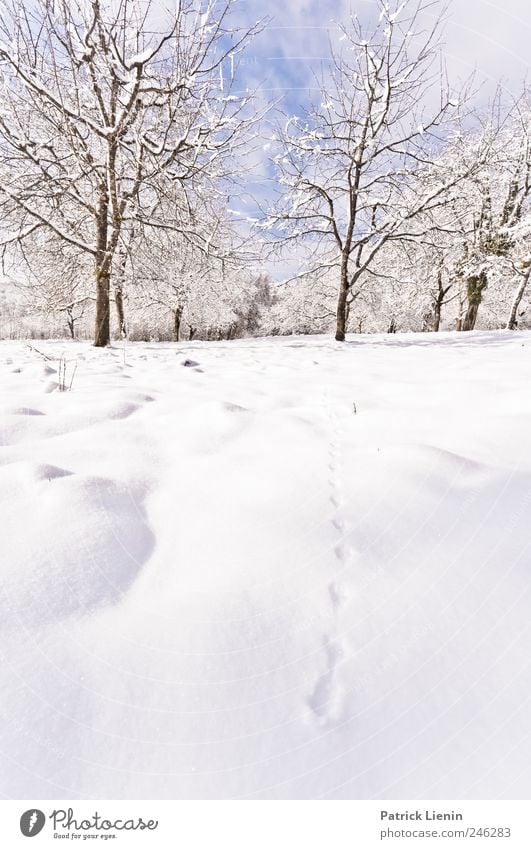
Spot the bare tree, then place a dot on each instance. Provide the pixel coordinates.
(105, 106)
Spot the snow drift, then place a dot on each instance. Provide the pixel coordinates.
(291, 569)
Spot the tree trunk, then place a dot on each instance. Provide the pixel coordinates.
(103, 274)
(119, 295)
(461, 315)
(192, 332)
(438, 302)
(71, 323)
(512, 324)
(341, 317)
(119, 300)
(469, 321)
(103, 285)
(475, 286)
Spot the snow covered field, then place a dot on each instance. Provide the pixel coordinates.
(295, 570)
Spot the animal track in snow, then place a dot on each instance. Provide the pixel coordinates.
(339, 524)
(336, 502)
(344, 552)
(338, 595)
(326, 698)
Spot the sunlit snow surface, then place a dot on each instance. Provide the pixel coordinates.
(296, 569)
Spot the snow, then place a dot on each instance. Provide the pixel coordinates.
(294, 570)
(142, 57)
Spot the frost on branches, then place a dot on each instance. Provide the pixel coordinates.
(348, 163)
(126, 133)
(107, 108)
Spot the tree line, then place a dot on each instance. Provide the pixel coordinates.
(122, 130)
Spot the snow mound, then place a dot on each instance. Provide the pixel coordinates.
(87, 541)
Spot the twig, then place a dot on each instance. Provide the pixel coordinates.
(44, 356)
(72, 378)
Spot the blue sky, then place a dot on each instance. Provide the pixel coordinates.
(492, 37)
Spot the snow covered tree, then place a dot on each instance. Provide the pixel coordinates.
(493, 209)
(106, 105)
(347, 163)
(53, 278)
(522, 269)
(197, 276)
(261, 298)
